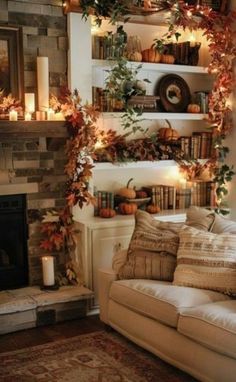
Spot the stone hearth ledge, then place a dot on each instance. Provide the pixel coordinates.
(30, 307)
(13, 189)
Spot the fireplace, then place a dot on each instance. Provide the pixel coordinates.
(13, 241)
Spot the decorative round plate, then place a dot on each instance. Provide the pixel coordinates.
(174, 93)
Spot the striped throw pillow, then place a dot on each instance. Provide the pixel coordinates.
(152, 249)
(206, 260)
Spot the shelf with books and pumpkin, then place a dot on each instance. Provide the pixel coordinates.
(126, 80)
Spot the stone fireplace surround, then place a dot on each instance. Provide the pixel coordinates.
(35, 168)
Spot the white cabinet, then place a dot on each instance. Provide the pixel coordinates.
(105, 243)
(100, 239)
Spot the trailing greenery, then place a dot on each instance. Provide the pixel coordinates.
(121, 84)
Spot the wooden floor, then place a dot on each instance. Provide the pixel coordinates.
(45, 334)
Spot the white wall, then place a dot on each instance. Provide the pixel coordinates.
(231, 143)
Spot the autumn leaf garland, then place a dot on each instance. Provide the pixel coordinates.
(80, 122)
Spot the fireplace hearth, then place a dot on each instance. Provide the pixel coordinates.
(13, 242)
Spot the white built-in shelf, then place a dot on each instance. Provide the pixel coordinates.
(133, 165)
(94, 222)
(159, 115)
(162, 68)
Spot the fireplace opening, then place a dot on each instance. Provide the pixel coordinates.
(13, 242)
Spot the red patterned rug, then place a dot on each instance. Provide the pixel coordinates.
(96, 357)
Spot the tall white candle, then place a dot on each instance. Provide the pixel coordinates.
(50, 115)
(27, 116)
(43, 83)
(29, 102)
(13, 115)
(48, 270)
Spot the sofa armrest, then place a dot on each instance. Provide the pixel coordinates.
(105, 279)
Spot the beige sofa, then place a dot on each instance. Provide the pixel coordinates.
(192, 329)
(171, 292)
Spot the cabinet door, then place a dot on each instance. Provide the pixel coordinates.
(105, 243)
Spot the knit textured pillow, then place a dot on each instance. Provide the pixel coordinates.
(152, 249)
(206, 260)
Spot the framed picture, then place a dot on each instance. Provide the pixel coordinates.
(11, 61)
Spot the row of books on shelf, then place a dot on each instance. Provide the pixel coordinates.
(198, 193)
(104, 47)
(198, 146)
(104, 199)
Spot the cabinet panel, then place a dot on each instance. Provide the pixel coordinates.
(105, 243)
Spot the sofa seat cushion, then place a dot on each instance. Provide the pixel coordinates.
(160, 300)
(213, 325)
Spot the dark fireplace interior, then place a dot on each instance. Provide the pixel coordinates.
(13, 242)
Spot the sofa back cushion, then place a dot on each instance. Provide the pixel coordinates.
(152, 249)
(223, 225)
(200, 218)
(206, 260)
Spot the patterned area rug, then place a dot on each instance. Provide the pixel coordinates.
(96, 357)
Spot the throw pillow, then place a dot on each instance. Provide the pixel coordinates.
(222, 225)
(200, 218)
(152, 249)
(206, 260)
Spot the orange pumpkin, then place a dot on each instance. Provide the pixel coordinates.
(127, 208)
(107, 213)
(168, 134)
(152, 209)
(167, 59)
(193, 108)
(127, 192)
(140, 194)
(151, 55)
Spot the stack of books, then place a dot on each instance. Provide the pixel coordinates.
(198, 193)
(162, 196)
(104, 199)
(198, 146)
(202, 193)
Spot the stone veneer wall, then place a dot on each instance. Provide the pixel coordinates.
(38, 166)
(37, 163)
(44, 34)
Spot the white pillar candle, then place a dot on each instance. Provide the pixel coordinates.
(29, 102)
(50, 115)
(59, 117)
(13, 115)
(48, 270)
(27, 116)
(43, 83)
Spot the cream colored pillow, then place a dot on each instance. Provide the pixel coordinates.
(206, 260)
(223, 225)
(152, 250)
(200, 218)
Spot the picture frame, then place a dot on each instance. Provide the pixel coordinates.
(11, 61)
(174, 93)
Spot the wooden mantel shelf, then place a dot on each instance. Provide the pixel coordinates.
(32, 129)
